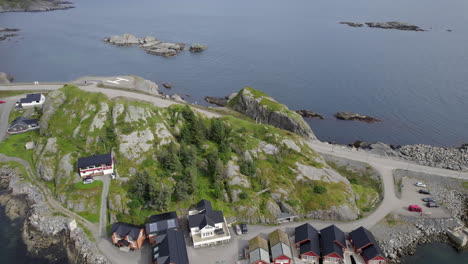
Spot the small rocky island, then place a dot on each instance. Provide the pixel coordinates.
(34, 5)
(386, 25)
(356, 117)
(153, 45)
(309, 114)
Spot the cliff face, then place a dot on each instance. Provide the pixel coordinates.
(264, 109)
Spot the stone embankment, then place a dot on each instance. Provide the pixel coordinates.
(34, 5)
(454, 158)
(44, 229)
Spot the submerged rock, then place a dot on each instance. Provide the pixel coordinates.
(356, 117)
(386, 25)
(167, 85)
(352, 24)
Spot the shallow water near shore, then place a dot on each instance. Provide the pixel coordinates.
(296, 51)
(436, 253)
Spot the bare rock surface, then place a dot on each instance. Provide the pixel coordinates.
(6, 78)
(219, 101)
(309, 114)
(150, 44)
(356, 117)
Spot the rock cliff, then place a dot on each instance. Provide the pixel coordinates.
(264, 109)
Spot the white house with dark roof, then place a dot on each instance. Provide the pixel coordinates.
(96, 165)
(31, 100)
(208, 227)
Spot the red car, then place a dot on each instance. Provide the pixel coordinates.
(414, 208)
(2, 102)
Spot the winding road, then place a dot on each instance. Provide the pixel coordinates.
(384, 165)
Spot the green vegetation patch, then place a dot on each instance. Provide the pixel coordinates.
(94, 185)
(14, 145)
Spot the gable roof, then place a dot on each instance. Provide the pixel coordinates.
(30, 98)
(258, 242)
(25, 121)
(278, 236)
(124, 229)
(305, 232)
(259, 254)
(162, 222)
(330, 238)
(210, 218)
(204, 205)
(280, 249)
(171, 249)
(362, 237)
(94, 160)
(372, 251)
(309, 246)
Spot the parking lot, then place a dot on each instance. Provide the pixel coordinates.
(410, 196)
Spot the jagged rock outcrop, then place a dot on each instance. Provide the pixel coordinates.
(356, 117)
(309, 114)
(343, 212)
(54, 100)
(198, 48)
(264, 109)
(6, 78)
(219, 101)
(45, 166)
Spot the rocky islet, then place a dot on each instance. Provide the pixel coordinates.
(385, 25)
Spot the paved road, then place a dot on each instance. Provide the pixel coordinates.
(5, 110)
(104, 202)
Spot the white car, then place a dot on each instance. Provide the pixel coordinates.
(420, 184)
(238, 230)
(88, 181)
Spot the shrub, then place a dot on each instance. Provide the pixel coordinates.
(319, 189)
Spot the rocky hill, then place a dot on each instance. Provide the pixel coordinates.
(264, 109)
(168, 158)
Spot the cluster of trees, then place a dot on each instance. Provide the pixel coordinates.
(184, 161)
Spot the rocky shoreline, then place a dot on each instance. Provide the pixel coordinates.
(454, 158)
(42, 229)
(35, 6)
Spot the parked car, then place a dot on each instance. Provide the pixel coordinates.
(238, 230)
(432, 204)
(244, 228)
(113, 175)
(424, 191)
(414, 208)
(2, 102)
(88, 181)
(428, 199)
(420, 184)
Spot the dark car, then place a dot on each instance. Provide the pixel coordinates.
(428, 200)
(244, 228)
(432, 204)
(423, 191)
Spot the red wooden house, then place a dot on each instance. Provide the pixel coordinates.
(308, 242)
(333, 245)
(280, 247)
(365, 244)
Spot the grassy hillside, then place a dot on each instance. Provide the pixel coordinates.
(169, 158)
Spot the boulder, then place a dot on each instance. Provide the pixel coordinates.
(167, 85)
(123, 40)
(309, 114)
(198, 48)
(264, 109)
(5, 78)
(219, 101)
(356, 117)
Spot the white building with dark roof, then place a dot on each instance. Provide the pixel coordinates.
(22, 124)
(31, 100)
(208, 227)
(96, 165)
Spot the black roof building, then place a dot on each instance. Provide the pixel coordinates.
(304, 233)
(371, 252)
(170, 248)
(361, 238)
(308, 238)
(332, 240)
(204, 205)
(201, 220)
(22, 124)
(124, 229)
(97, 160)
(30, 98)
(162, 222)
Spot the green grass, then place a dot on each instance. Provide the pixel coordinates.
(465, 185)
(13, 145)
(81, 186)
(92, 217)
